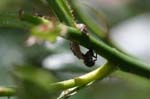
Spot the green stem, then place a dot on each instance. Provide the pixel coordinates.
(62, 11)
(124, 62)
(99, 73)
(11, 20)
(22, 21)
(35, 20)
(6, 91)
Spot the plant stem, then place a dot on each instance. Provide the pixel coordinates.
(99, 73)
(62, 11)
(124, 62)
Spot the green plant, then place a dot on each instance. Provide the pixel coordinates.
(66, 27)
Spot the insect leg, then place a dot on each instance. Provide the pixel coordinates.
(95, 57)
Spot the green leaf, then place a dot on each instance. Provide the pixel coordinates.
(91, 17)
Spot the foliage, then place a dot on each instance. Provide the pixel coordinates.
(34, 81)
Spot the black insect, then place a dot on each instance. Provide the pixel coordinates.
(89, 58)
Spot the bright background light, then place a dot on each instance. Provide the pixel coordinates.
(133, 36)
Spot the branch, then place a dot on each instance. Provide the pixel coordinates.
(121, 60)
(116, 58)
(62, 11)
(124, 62)
(99, 73)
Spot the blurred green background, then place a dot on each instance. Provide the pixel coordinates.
(129, 23)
